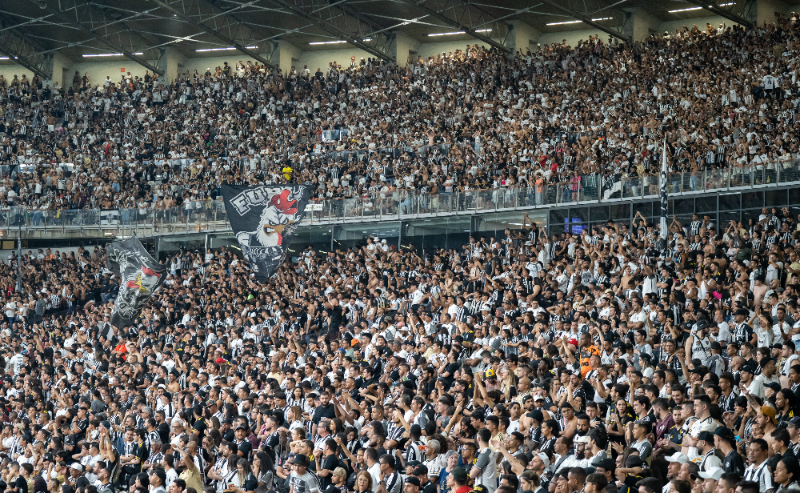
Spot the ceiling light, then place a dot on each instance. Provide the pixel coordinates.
(92, 55)
(338, 42)
(698, 8)
(577, 22)
(3, 58)
(460, 32)
(225, 49)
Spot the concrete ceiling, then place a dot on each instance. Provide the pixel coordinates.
(76, 28)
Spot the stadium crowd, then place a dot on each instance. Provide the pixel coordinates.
(531, 363)
(527, 364)
(588, 115)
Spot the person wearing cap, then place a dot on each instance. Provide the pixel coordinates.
(411, 485)
(157, 479)
(724, 442)
(705, 448)
(300, 480)
(742, 332)
(710, 478)
(423, 475)
(675, 462)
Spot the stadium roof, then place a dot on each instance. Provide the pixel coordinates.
(140, 29)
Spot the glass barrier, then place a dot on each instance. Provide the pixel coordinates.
(210, 215)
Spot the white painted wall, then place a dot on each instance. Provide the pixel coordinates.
(9, 68)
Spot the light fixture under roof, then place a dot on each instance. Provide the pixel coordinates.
(460, 32)
(698, 8)
(225, 49)
(93, 55)
(337, 42)
(577, 22)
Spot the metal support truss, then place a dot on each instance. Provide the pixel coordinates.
(24, 51)
(216, 22)
(110, 32)
(722, 12)
(344, 23)
(586, 19)
(461, 19)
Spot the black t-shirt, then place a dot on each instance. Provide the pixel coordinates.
(250, 483)
(329, 462)
(200, 425)
(323, 412)
(733, 463)
(244, 447)
(428, 488)
(21, 485)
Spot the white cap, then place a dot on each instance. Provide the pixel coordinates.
(714, 473)
(583, 439)
(679, 457)
(545, 459)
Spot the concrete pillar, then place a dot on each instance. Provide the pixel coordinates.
(766, 10)
(168, 64)
(60, 63)
(640, 24)
(285, 55)
(405, 46)
(522, 36)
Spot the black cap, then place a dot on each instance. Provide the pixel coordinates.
(748, 368)
(726, 433)
(607, 464)
(300, 460)
(421, 470)
(795, 421)
(412, 480)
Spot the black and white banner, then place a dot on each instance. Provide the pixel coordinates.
(140, 276)
(264, 219)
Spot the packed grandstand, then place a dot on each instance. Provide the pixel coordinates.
(593, 362)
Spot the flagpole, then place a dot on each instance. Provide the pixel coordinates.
(664, 198)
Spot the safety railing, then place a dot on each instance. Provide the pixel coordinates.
(209, 215)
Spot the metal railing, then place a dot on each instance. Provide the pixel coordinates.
(210, 215)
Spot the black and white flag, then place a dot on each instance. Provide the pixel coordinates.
(264, 219)
(140, 276)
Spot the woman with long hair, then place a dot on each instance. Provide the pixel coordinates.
(363, 482)
(244, 481)
(787, 474)
(262, 469)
